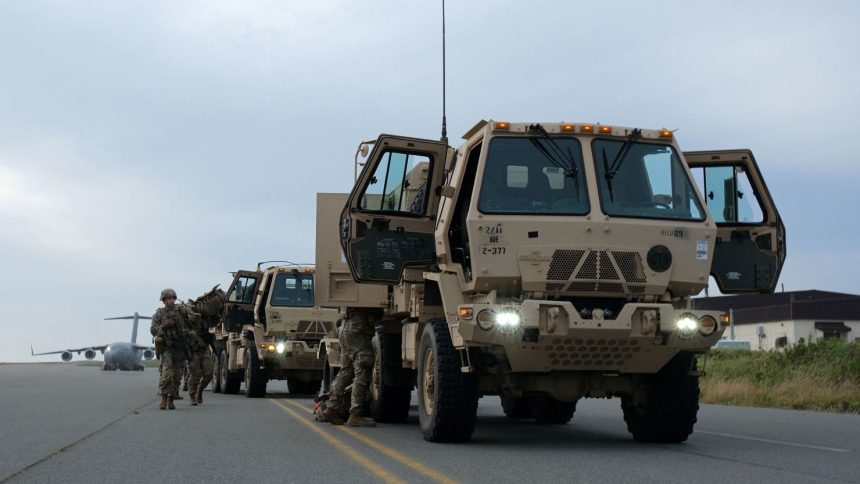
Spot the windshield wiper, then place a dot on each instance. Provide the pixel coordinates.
(557, 157)
(610, 170)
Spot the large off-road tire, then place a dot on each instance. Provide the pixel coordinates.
(668, 410)
(390, 403)
(216, 377)
(230, 381)
(255, 377)
(546, 409)
(516, 407)
(447, 397)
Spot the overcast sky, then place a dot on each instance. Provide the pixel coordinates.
(157, 144)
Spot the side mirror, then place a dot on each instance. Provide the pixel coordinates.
(363, 150)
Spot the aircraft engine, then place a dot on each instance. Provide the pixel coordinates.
(148, 354)
(66, 356)
(90, 354)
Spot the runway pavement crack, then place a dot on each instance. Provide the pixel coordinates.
(76, 442)
(754, 464)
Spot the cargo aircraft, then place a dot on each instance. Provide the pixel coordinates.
(123, 356)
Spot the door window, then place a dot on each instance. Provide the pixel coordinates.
(729, 194)
(399, 184)
(244, 290)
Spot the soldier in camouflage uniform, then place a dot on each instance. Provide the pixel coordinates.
(169, 326)
(356, 358)
(200, 366)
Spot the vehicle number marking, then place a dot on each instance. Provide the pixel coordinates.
(493, 250)
(701, 250)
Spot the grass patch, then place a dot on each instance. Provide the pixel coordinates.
(823, 375)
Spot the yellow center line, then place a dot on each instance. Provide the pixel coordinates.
(375, 469)
(388, 451)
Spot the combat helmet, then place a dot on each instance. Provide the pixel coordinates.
(166, 293)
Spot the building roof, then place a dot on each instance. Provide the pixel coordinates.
(785, 306)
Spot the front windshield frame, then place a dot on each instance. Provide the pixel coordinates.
(606, 205)
(582, 204)
(304, 297)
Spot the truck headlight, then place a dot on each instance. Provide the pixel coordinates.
(486, 319)
(508, 320)
(707, 325)
(687, 325)
(280, 348)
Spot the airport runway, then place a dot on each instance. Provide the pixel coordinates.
(65, 423)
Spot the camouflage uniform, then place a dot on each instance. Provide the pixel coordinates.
(356, 359)
(171, 325)
(200, 366)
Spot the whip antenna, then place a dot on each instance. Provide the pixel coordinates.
(444, 123)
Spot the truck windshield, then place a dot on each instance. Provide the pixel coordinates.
(294, 290)
(521, 178)
(649, 182)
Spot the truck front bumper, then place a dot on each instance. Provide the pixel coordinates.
(544, 336)
(290, 355)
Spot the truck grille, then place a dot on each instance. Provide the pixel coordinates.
(597, 271)
(591, 352)
(310, 329)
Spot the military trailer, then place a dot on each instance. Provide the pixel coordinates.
(271, 329)
(549, 262)
(336, 288)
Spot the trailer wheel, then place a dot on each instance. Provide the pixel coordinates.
(516, 407)
(230, 381)
(390, 403)
(546, 409)
(447, 397)
(255, 377)
(667, 411)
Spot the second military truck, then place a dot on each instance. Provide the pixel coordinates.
(271, 329)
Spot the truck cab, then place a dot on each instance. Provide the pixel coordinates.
(546, 262)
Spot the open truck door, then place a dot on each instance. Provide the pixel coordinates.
(239, 308)
(389, 218)
(750, 248)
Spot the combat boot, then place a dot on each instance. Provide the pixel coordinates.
(356, 420)
(192, 402)
(170, 405)
(332, 416)
(199, 396)
(163, 404)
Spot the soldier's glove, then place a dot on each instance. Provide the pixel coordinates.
(168, 323)
(159, 339)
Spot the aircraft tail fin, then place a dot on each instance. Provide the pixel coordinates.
(135, 317)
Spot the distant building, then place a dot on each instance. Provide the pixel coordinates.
(770, 321)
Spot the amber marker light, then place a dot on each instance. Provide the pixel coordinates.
(465, 313)
(568, 128)
(503, 125)
(605, 129)
(725, 318)
(586, 128)
(665, 133)
(271, 348)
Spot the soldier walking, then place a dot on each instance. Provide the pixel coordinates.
(200, 366)
(169, 326)
(356, 358)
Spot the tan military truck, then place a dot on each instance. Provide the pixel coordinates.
(550, 262)
(271, 329)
